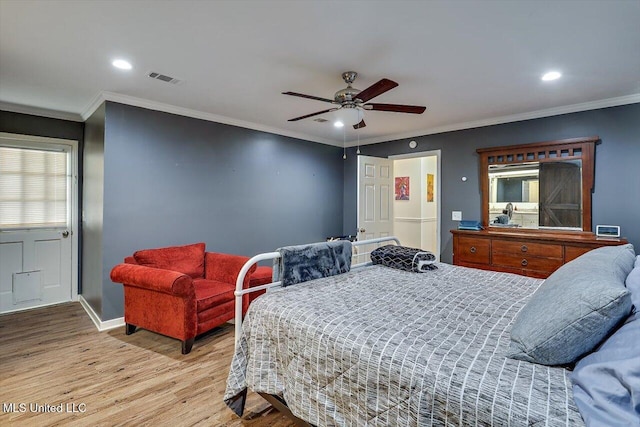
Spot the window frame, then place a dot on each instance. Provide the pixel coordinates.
(28, 142)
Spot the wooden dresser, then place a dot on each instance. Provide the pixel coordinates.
(531, 253)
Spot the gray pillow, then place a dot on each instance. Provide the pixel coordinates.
(575, 308)
(633, 284)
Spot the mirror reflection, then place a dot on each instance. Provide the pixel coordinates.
(536, 195)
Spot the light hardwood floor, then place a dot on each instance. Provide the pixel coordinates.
(55, 355)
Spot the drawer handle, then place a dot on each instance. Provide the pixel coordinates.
(524, 248)
(472, 249)
(524, 262)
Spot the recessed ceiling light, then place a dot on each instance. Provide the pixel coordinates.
(551, 75)
(122, 64)
(338, 124)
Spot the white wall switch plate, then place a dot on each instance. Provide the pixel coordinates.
(456, 215)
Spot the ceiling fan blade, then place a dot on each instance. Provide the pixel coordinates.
(413, 109)
(376, 89)
(360, 125)
(302, 95)
(312, 114)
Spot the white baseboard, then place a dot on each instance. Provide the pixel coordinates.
(102, 326)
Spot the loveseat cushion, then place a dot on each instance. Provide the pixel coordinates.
(212, 293)
(225, 267)
(188, 259)
(261, 276)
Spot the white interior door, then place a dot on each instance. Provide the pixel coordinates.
(375, 199)
(37, 206)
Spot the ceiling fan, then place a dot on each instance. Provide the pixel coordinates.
(355, 101)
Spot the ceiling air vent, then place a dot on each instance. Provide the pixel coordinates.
(164, 78)
(320, 120)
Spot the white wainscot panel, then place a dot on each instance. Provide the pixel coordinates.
(408, 232)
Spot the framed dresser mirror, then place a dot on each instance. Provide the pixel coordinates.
(536, 208)
(539, 186)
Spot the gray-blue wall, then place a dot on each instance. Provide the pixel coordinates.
(172, 180)
(616, 197)
(92, 210)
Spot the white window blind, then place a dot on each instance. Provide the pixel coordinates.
(33, 188)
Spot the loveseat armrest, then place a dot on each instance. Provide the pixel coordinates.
(225, 267)
(155, 279)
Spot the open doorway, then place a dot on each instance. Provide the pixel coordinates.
(416, 204)
(400, 196)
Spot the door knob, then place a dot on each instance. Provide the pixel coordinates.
(65, 233)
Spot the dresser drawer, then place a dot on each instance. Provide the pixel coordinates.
(573, 252)
(527, 248)
(473, 250)
(526, 262)
(526, 252)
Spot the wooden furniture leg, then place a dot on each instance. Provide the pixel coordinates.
(186, 345)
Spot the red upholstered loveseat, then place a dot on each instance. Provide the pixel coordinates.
(182, 291)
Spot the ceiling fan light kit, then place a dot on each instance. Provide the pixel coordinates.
(351, 102)
(349, 115)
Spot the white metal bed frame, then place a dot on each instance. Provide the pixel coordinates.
(239, 292)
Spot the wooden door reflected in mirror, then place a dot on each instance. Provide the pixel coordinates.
(560, 194)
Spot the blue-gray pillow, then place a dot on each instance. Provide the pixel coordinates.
(633, 284)
(575, 308)
(606, 383)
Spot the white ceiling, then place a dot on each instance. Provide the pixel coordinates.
(470, 62)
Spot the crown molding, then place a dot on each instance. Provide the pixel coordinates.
(549, 112)
(103, 96)
(93, 105)
(42, 112)
(172, 109)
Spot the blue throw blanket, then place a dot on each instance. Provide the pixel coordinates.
(302, 263)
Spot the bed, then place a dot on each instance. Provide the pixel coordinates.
(381, 346)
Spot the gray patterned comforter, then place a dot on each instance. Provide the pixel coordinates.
(384, 347)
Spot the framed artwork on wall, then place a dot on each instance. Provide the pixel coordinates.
(402, 187)
(429, 187)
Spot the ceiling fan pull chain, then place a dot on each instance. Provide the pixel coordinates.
(344, 144)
